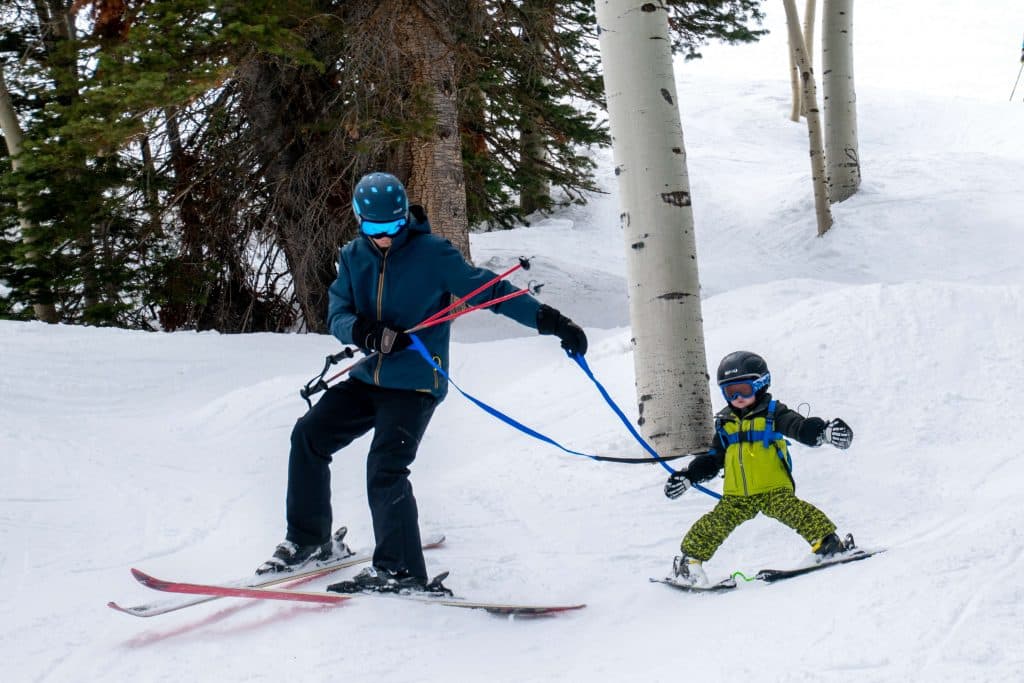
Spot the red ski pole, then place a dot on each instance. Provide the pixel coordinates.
(523, 263)
(437, 321)
(429, 322)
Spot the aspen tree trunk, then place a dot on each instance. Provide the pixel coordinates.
(796, 110)
(817, 152)
(810, 11)
(808, 32)
(11, 129)
(840, 100)
(657, 222)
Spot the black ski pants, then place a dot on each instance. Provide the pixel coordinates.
(345, 412)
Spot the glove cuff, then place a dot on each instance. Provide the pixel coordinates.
(812, 432)
(548, 319)
(361, 329)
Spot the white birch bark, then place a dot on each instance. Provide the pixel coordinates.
(823, 212)
(657, 223)
(11, 129)
(794, 85)
(810, 14)
(842, 153)
(808, 32)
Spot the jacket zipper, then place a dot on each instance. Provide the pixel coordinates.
(380, 311)
(739, 446)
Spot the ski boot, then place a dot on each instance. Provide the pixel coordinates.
(689, 571)
(832, 546)
(290, 557)
(378, 580)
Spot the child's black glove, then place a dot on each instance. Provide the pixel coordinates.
(812, 432)
(839, 434)
(676, 485)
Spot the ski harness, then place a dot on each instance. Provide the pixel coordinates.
(752, 446)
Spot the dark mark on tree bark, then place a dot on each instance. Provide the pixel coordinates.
(678, 198)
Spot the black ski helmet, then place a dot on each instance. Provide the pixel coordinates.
(742, 365)
(380, 199)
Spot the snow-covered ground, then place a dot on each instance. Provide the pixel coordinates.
(168, 451)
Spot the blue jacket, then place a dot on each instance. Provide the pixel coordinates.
(402, 286)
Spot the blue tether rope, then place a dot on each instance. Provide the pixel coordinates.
(417, 344)
(618, 411)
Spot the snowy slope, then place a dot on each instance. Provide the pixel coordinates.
(168, 452)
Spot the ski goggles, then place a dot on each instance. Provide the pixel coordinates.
(745, 388)
(389, 229)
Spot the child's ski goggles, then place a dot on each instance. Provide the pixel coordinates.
(745, 388)
(389, 229)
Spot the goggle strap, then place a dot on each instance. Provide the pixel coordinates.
(755, 385)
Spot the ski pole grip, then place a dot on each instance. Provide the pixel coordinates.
(346, 352)
(307, 391)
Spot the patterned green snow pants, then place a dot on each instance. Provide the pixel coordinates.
(711, 530)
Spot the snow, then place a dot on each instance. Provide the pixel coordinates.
(168, 451)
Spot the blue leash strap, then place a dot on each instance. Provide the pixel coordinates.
(418, 346)
(618, 411)
(422, 350)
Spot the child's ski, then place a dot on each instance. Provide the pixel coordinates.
(725, 584)
(773, 575)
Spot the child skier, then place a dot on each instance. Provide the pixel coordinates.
(749, 442)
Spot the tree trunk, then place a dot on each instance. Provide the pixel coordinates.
(57, 28)
(472, 127)
(42, 307)
(817, 153)
(796, 110)
(808, 32)
(535, 192)
(810, 10)
(657, 221)
(436, 178)
(841, 149)
(149, 176)
(282, 104)
(473, 114)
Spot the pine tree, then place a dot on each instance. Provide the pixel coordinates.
(189, 163)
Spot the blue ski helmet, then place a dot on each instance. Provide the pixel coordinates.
(380, 204)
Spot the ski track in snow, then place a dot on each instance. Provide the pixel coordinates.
(169, 452)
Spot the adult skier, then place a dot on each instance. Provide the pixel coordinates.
(392, 276)
(750, 443)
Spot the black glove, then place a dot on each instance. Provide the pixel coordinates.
(550, 321)
(812, 432)
(375, 335)
(839, 434)
(677, 485)
(418, 213)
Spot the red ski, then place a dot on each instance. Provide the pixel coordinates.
(336, 598)
(236, 591)
(293, 578)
